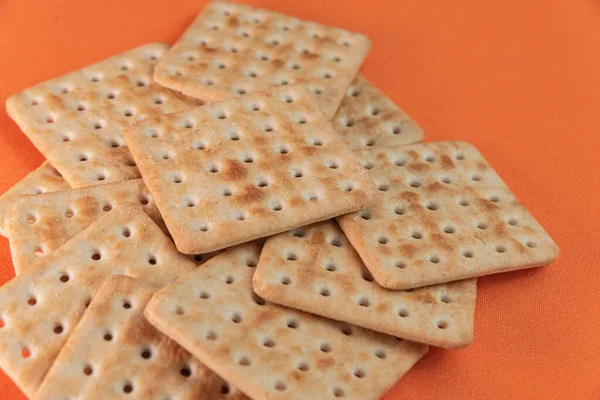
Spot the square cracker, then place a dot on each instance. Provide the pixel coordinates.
(445, 215)
(115, 352)
(44, 179)
(269, 351)
(40, 308)
(315, 269)
(368, 118)
(229, 172)
(232, 49)
(37, 225)
(76, 120)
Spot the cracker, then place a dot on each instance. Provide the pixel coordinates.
(315, 269)
(39, 309)
(44, 179)
(269, 351)
(233, 49)
(76, 120)
(248, 167)
(444, 215)
(367, 118)
(40, 224)
(114, 352)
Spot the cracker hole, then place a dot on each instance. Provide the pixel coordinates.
(442, 324)
(432, 206)
(449, 229)
(38, 252)
(32, 301)
(415, 183)
(185, 372)
(482, 225)
(144, 200)
(366, 275)
(101, 177)
(435, 259)
(336, 242)
(280, 386)
(396, 130)
(317, 142)
(146, 354)
(303, 366)
(126, 304)
(234, 136)
(244, 361)
(88, 370)
(58, 329)
(325, 347)
(236, 318)
(31, 219)
(513, 222)
(229, 280)
(111, 96)
(250, 263)
(292, 323)
(179, 311)
(375, 112)
(445, 299)
(331, 164)
(467, 253)
(108, 337)
(80, 107)
(127, 388)
(300, 233)
(365, 214)
(225, 388)
(494, 199)
(324, 292)
(446, 179)
(338, 392)
(382, 240)
(83, 158)
(49, 120)
(416, 235)
(383, 187)
(500, 248)
(400, 264)
(214, 168)
(106, 207)
(285, 280)
(364, 302)
(276, 207)
(190, 203)
(380, 353)
(25, 353)
(463, 202)
(331, 267)
(400, 210)
(291, 256)
(476, 177)
(64, 278)
(359, 373)
(459, 156)
(152, 260)
(268, 342)
(204, 295)
(211, 335)
(531, 244)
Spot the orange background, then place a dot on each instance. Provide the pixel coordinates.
(518, 79)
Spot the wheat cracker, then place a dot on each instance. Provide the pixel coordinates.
(368, 118)
(315, 269)
(40, 308)
(233, 49)
(76, 120)
(37, 225)
(44, 179)
(114, 352)
(249, 167)
(445, 215)
(269, 351)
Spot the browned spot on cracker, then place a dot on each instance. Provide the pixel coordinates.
(441, 241)
(308, 150)
(413, 154)
(418, 167)
(277, 63)
(409, 250)
(309, 56)
(250, 194)
(208, 49)
(233, 22)
(423, 297)
(324, 363)
(447, 162)
(234, 170)
(411, 197)
(487, 205)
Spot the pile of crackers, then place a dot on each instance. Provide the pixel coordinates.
(242, 215)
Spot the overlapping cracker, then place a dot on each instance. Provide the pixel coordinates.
(39, 309)
(367, 118)
(315, 269)
(37, 225)
(76, 120)
(233, 49)
(249, 167)
(44, 179)
(445, 215)
(115, 352)
(269, 351)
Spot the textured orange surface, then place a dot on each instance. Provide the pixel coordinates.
(518, 79)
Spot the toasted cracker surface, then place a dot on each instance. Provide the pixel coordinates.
(233, 49)
(444, 215)
(229, 172)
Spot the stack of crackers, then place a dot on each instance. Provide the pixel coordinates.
(242, 215)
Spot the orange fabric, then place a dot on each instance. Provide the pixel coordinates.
(518, 79)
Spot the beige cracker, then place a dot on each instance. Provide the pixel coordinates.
(40, 308)
(40, 224)
(233, 49)
(269, 351)
(114, 352)
(315, 269)
(229, 172)
(367, 118)
(445, 215)
(44, 179)
(76, 120)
